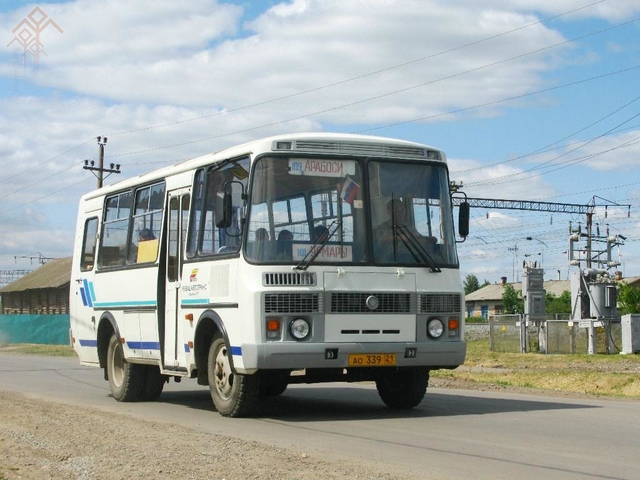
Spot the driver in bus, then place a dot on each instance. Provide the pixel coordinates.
(384, 233)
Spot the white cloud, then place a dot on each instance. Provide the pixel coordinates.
(504, 178)
(121, 66)
(174, 54)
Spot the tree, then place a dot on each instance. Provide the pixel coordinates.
(628, 299)
(512, 300)
(471, 283)
(561, 304)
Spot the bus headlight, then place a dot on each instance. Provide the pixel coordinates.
(299, 328)
(435, 328)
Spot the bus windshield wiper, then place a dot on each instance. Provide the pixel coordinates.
(318, 245)
(415, 247)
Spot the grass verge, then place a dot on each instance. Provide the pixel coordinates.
(37, 349)
(601, 375)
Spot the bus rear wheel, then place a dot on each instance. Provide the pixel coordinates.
(233, 395)
(402, 388)
(125, 379)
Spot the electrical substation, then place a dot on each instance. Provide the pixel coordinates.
(593, 283)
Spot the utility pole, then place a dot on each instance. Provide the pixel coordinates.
(90, 164)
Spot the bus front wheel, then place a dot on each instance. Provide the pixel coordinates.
(125, 379)
(233, 395)
(402, 388)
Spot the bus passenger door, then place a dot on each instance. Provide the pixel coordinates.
(174, 352)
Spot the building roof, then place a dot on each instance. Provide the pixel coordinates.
(494, 291)
(633, 281)
(555, 287)
(52, 274)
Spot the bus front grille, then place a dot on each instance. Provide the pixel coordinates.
(346, 302)
(292, 303)
(439, 303)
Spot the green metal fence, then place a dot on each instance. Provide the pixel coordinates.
(43, 329)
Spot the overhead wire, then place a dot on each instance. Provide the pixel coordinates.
(548, 148)
(369, 74)
(495, 181)
(405, 89)
(352, 79)
(365, 75)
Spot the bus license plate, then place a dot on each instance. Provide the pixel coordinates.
(371, 359)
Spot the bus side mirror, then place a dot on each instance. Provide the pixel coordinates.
(223, 209)
(463, 219)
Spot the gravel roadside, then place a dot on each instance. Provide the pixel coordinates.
(47, 440)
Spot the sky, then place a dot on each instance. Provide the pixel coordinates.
(530, 100)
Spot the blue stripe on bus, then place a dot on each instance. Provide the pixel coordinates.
(93, 293)
(149, 346)
(144, 345)
(195, 301)
(138, 303)
(87, 292)
(84, 297)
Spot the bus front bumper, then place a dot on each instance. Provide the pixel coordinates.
(294, 356)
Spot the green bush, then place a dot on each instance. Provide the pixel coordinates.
(476, 320)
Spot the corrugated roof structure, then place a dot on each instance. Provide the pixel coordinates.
(53, 274)
(555, 287)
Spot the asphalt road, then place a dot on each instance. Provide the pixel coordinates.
(453, 434)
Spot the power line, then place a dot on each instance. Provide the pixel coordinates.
(398, 91)
(312, 90)
(364, 75)
(423, 84)
(42, 197)
(372, 73)
(43, 162)
(494, 181)
(547, 148)
(561, 165)
(496, 102)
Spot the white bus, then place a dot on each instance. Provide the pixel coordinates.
(300, 258)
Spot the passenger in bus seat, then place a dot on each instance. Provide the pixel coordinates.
(283, 245)
(261, 247)
(262, 235)
(146, 234)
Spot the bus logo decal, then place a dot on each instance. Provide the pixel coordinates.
(194, 275)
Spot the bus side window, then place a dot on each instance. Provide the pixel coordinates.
(89, 244)
(147, 218)
(113, 241)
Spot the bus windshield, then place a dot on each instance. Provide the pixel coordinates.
(319, 209)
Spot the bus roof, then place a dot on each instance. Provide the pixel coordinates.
(307, 143)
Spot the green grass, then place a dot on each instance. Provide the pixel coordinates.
(36, 349)
(608, 375)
